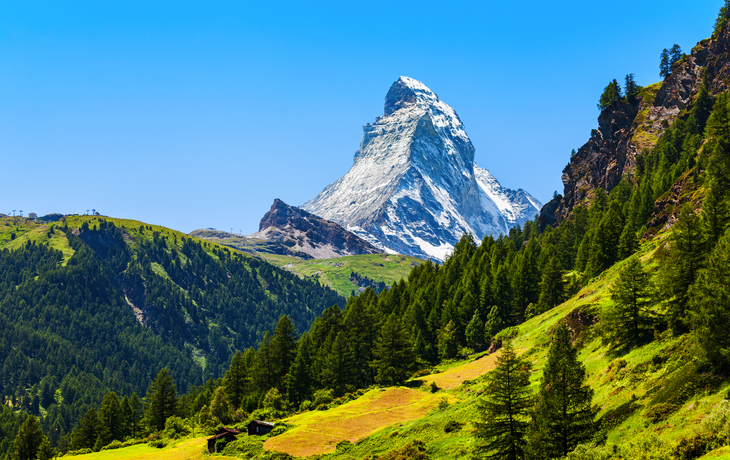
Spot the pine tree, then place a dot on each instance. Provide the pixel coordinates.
(45, 450)
(552, 288)
(709, 298)
(632, 89)
(161, 400)
(301, 380)
(493, 325)
(563, 415)
(447, 343)
(627, 242)
(361, 329)
(685, 256)
(504, 411)
(394, 357)
(675, 55)
(111, 423)
(630, 320)
(611, 94)
(283, 348)
(236, 380)
(715, 216)
(604, 246)
(475, 332)
(722, 18)
(665, 67)
(28, 440)
(85, 434)
(338, 371)
(219, 406)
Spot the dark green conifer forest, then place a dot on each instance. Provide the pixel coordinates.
(220, 336)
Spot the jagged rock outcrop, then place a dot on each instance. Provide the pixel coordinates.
(625, 130)
(414, 188)
(304, 233)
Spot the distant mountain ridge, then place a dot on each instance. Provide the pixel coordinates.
(414, 188)
(305, 233)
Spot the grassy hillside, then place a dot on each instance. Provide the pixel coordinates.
(649, 394)
(335, 273)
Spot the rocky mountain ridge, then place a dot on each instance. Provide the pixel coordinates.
(414, 188)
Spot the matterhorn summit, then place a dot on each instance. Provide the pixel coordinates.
(414, 188)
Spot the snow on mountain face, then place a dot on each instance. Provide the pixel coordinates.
(414, 188)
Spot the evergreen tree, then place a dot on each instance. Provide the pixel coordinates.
(301, 379)
(665, 67)
(338, 370)
(111, 423)
(563, 415)
(493, 325)
(686, 253)
(236, 380)
(552, 288)
(632, 89)
(722, 18)
(284, 349)
(85, 434)
(701, 109)
(161, 400)
(715, 215)
(627, 242)
(675, 55)
(504, 411)
(630, 320)
(448, 343)
(45, 450)
(361, 329)
(475, 332)
(28, 440)
(219, 406)
(611, 94)
(604, 246)
(136, 415)
(709, 298)
(393, 353)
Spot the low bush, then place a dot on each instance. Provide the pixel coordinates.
(453, 425)
(659, 412)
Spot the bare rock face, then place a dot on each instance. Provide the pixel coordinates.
(414, 188)
(305, 233)
(602, 161)
(626, 130)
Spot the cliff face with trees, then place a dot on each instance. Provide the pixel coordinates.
(628, 130)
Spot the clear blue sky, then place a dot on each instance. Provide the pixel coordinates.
(199, 114)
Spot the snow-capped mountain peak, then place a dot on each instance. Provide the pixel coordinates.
(414, 188)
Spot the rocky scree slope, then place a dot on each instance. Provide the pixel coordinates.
(626, 130)
(414, 188)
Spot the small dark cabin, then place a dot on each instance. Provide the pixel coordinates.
(229, 434)
(257, 427)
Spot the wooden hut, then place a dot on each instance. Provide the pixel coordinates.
(229, 434)
(257, 427)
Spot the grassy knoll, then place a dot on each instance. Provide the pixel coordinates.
(319, 432)
(184, 449)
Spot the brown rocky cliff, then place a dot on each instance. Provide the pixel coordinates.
(626, 130)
